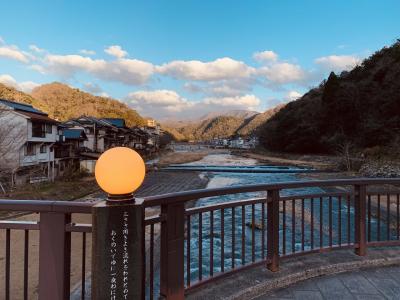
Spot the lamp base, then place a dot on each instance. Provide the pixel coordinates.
(120, 198)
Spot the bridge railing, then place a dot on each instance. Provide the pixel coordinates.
(189, 247)
(190, 242)
(37, 252)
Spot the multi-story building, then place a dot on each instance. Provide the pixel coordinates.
(27, 142)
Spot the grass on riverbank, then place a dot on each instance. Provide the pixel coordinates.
(64, 190)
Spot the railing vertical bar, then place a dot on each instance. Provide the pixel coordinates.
(398, 216)
(387, 217)
(312, 224)
(222, 240)
(26, 263)
(321, 221)
(330, 222)
(253, 235)
(188, 238)
(379, 218)
(83, 279)
(211, 243)
(293, 226)
(284, 227)
(302, 224)
(233, 237)
(151, 261)
(200, 246)
(369, 218)
(340, 220)
(7, 283)
(263, 230)
(273, 199)
(243, 235)
(348, 220)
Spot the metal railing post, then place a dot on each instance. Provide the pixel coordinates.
(273, 230)
(359, 219)
(172, 285)
(54, 256)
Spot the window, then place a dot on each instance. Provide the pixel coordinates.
(49, 128)
(43, 149)
(29, 149)
(38, 130)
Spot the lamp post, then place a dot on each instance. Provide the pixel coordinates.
(118, 246)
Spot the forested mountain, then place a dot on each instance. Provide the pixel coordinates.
(360, 107)
(63, 102)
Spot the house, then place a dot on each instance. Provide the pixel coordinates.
(27, 142)
(101, 134)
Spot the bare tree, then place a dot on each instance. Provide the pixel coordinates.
(11, 139)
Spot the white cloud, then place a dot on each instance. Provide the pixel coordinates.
(87, 52)
(283, 73)
(293, 95)
(36, 49)
(159, 100)
(12, 52)
(116, 51)
(338, 63)
(169, 104)
(1, 41)
(219, 69)
(249, 102)
(265, 56)
(128, 71)
(25, 86)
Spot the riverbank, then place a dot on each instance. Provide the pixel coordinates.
(308, 161)
(180, 158)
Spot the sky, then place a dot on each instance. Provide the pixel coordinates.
(182, 59)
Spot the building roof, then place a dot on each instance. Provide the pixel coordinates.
(38, 117)
(118, 122)
(21, 107)
(74, 134)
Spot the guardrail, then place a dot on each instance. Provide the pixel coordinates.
(194, 246)
(187, 247)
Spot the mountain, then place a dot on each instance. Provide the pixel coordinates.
(244, 114)
(63, 102)
(10, 93)
(217, 125)
(360, 108)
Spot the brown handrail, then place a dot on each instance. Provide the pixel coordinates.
(203, 193)
(46, 206)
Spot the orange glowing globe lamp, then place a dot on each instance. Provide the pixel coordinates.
(119, 172)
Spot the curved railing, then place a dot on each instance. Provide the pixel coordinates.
(188, 247)
(190, 240)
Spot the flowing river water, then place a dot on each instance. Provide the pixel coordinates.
(225, 179)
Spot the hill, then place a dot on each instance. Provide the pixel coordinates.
(63, 102)
(359, 108)
(216, 125)
(10, 93)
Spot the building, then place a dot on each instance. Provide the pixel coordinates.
(27, 142)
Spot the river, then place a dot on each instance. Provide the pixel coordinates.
(225, 179)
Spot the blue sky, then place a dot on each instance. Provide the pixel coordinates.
(184, 58)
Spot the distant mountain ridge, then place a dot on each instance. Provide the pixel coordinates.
(62, 102)
(220, 125)
(231, 113)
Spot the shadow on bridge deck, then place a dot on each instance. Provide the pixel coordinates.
(259, 281)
